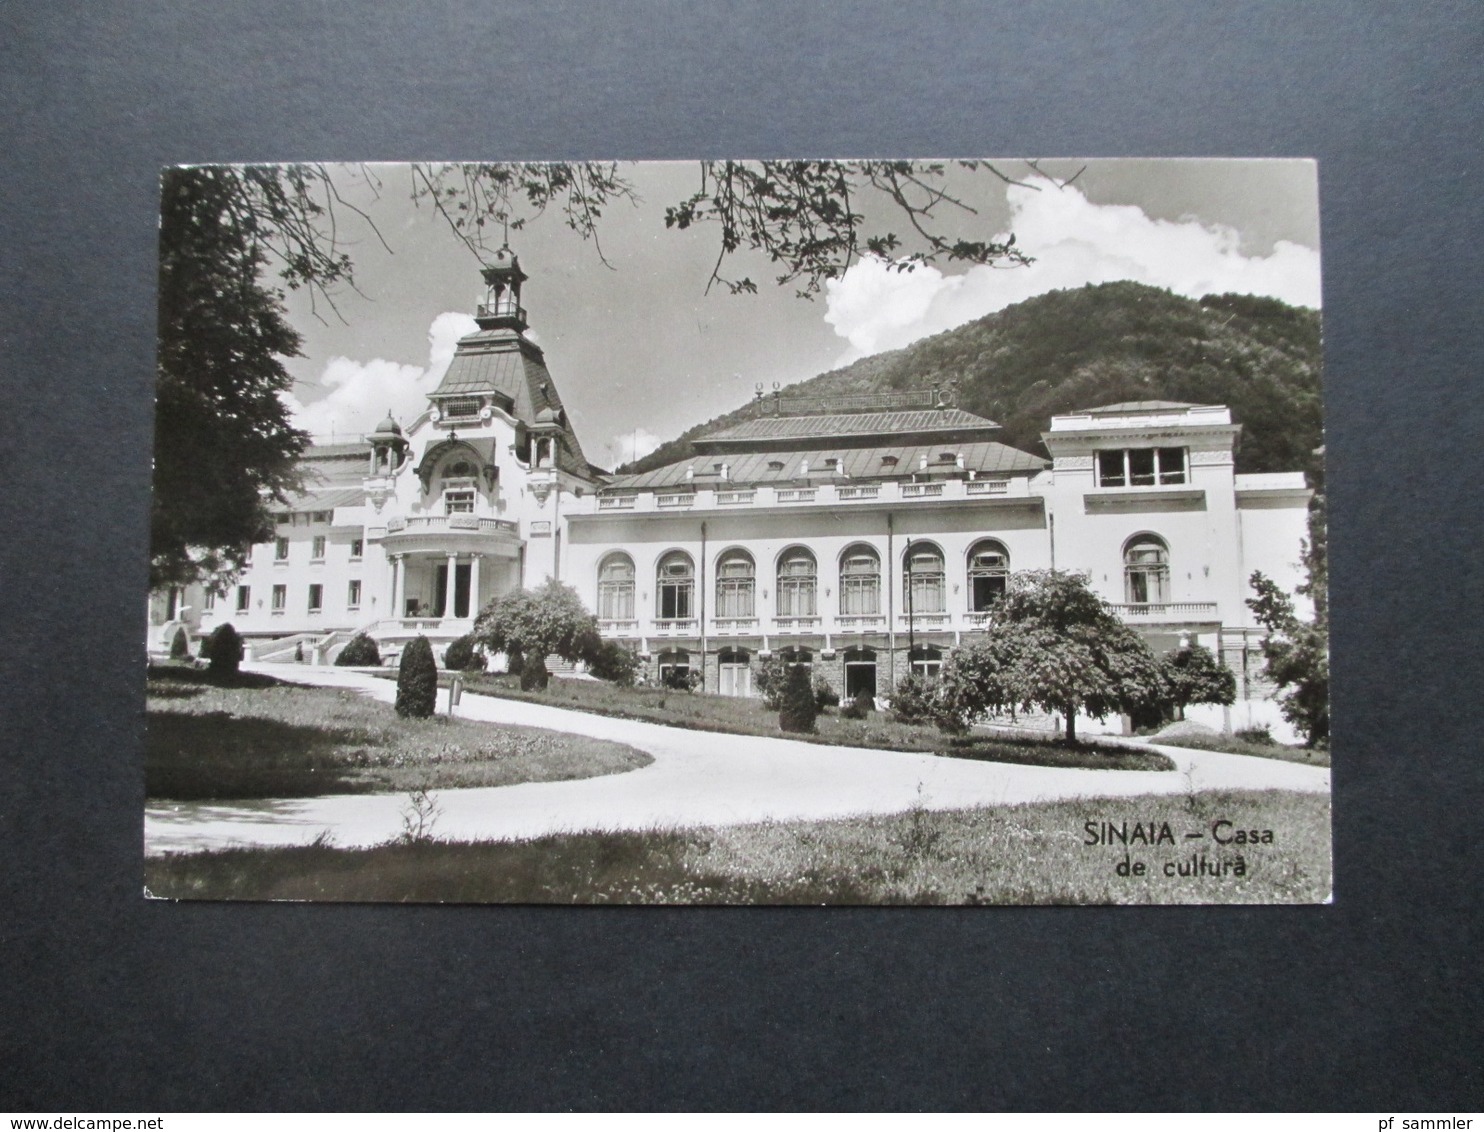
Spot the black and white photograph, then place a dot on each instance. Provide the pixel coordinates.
(727, 532)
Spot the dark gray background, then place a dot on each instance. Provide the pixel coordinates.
(108, 1002)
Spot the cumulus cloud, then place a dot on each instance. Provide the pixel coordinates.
(875, 308)
(361, 393)
(636, 443)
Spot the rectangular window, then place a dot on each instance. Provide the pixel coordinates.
(281, 549)
(1171, 465)
(244, 598)
(1110, 469)
(280, 598)
(317, 551)
(458, 503)
(208, 601)
(674, 598)
(461, 407)
(353, 595)
(316, 597)
(1141, 467)
(320, 516)
(357, 547)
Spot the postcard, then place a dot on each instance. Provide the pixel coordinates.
(740, 532)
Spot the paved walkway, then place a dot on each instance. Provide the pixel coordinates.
(697, 778)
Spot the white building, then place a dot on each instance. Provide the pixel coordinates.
(870, 534)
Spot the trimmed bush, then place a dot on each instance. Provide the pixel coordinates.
(533, 674)
(417, 680)
(798, 708)
(860, 707)
(1262, 736)
(825, 695)
(180, 644)
(614, 663)
(461, 657)
(915, 699)
(360, 652)
(223, 650)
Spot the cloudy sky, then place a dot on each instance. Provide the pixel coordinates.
(640, 352)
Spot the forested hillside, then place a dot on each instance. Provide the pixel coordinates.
(1104, 343)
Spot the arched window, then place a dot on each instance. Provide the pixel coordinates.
(926, 661)
(860, 582)
(675, 586)
(860, 672)
(616, 588)
(922, 579)
(1146, 571)
(989, 574)
(735, 584)
(796, 584)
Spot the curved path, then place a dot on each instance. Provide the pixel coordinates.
(697, 778)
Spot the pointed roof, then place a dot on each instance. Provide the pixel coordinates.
(504, 363)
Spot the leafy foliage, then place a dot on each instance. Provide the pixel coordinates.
(537, 623)
(915, 699)
(359, 652)
(1297, 655)
(223, 650)
(1195, 676)
(770, 676)
(417, 680)
(460, 656)
(860, 707)
(1054, 646)
(180, 644)
(797, 709)
(825, 695)
(614, 663)
(224, 445)
(1098, 345)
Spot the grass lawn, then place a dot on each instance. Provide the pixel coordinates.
(261, 738)
(1309, 756)
(1028, 854)
(738, 715)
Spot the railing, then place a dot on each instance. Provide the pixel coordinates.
(860, 491)
(455, 522)
(978, 620)
(675, 499)
(795, 624)
(797, 494)
(736, 624)
(616, 627)
(860, 622)
(724, 498)
(1166, 610)
(674, 626)
(987, 487)
(921, 490)
(923, 620)
(500, 310)
(616, 502)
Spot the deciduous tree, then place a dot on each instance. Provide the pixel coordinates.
(1297, 655)
(538, 623)
(1193, 675)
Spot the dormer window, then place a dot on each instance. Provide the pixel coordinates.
(1141, 467)
(458, 502)
(888, 461)
(947, 457)
(775, 465)
(461, 408)
(832, 461)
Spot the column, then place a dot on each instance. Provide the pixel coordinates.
(399, 585)
(474, 585)
(453, 573)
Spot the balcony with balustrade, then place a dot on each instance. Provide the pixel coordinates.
(833, 493)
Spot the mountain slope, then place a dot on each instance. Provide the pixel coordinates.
(1100, 344)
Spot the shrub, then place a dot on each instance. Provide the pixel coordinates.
(860, 707)
(825, 695)
(611, 661)
(461, 657)
(224, 650)
(682, 680)
(915, 699)
(417, 680)
(798, 709)
(533, 674)
(1259, 735)
(180, 644)
(360, 652)
(770, 675)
